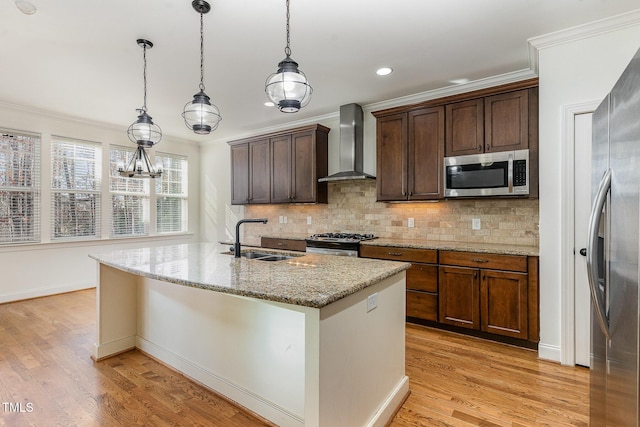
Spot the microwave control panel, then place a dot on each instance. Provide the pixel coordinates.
(519, 173)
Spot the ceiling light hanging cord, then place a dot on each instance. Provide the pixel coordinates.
(201, 51)
(200, 115)
(144, 78)
(288, 88)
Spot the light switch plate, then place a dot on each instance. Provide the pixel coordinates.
(410, 223)
(475, 224)
(372, 302)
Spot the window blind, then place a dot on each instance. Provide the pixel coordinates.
(19, 187)
(171, 194)
(75, 189)
(129, 198)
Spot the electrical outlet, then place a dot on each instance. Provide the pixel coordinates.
(372, 302)
(281, 219)
(308, 220)
(410, 223)
(475, 224)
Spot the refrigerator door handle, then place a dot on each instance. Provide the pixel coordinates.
(592, 249)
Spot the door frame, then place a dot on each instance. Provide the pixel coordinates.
(567, 333)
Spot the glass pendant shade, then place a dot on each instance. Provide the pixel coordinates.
(144, 132)
(288, 88)
(200, 115)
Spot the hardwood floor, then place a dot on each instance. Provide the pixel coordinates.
(47, 378)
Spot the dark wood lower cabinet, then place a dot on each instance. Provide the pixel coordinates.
(459, 297)
(504, 307)
(490, 294)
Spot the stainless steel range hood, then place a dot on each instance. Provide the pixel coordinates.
(351, 143)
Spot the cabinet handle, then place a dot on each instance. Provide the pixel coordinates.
(484, 277)
(410, 193)
(479, 148)
(488, 147)
(279, 243)
(395, 253)
(475, 274)
(479, 260)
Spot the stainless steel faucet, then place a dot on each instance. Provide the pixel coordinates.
(236, 245)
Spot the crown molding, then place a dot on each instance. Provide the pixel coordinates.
(81, 121)
(591, 29)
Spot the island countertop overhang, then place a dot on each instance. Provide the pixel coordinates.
(311, 280)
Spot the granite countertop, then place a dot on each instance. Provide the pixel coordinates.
(493, 248)
(311, 280)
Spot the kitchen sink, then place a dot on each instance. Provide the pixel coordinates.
(266, 256)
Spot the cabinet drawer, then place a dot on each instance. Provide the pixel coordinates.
(482, 260)
(422, 305)
(400, 254)
(288, 244)
(421, 277)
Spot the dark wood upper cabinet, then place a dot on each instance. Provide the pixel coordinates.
(282, 167)
(250, 174)
(391, 155)
(465, 127)
(506, 121)
(493, 123)
(259, 172)
(410, 152)
(240, 174)
(425, 154)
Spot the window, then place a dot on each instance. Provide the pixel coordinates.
(171, 194)
(129, 198)
(75, 189)
(19, 185)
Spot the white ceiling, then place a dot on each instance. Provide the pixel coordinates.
(80, 57)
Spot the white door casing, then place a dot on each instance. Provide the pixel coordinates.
(574, 125)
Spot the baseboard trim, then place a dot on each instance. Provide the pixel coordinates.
(549, 352)
(43, 292)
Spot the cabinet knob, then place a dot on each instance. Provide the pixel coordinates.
(475, 274)
(488, 147)
(479, 148)
(411, 193)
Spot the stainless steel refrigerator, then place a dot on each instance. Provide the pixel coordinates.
(612, 254)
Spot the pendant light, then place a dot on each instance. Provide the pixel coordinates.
(288, 88)
(143, 132)
(200, 115)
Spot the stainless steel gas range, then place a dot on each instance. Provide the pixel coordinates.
(344, 244)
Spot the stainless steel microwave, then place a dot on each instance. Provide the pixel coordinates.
(504, 173)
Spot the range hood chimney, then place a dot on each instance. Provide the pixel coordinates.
(351, 143)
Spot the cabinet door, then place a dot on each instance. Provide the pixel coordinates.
(240, 174)
(391, 152)
(465, 128)
(259, 172)
(506, 125)
(425, 154)
(303, 168)
(458, 299)
(504, 303)
(281, 191)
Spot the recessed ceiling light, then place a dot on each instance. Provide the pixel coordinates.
(269, 104)
(26, 7)
(384, 71)
(459, 81)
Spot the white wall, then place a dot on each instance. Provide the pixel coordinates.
(573, 69)
(33, 270)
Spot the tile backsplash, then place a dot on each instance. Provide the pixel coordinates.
(353, 208)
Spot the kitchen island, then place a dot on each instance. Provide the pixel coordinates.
(314, 340)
